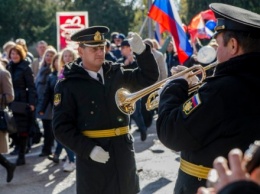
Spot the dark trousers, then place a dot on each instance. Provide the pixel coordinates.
(138, 117)
(187, 184)
(48, 136)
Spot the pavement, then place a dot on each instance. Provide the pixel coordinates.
(157, 166)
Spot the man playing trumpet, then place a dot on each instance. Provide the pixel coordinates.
(224, 113)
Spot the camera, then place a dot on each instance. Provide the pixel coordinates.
(252, 157)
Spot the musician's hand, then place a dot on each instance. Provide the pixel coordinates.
(136, 43)
(192, 80)
(98, 154)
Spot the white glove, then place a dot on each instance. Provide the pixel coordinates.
(136, 43)
(191, 80)
(98, 154)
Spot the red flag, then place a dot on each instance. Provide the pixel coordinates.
(196, 27)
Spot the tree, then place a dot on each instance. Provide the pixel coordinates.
(28, 19)
(115, 14)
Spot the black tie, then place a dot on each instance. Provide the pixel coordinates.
(99, 78)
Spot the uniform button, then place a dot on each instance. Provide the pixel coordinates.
(117, 131)
(92, 112)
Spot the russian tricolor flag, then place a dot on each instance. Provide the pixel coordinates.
(165, 13)
(197, 27)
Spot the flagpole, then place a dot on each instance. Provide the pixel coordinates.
(150, 25)
(142, 27)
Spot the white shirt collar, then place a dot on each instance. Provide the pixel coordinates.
(93, 74)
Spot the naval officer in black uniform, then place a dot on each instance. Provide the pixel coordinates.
(225, 111)
(87, 119)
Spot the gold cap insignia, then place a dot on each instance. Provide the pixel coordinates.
(219, 28)
(97, 36)
(57, 99)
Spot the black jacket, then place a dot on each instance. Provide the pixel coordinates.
(110, 57)
(24, 91)
(223, 114)
(48, 96)
(83, 103)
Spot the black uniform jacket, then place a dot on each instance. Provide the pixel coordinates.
(83, 103)
(223, 114)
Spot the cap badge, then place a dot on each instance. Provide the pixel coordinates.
(97, 36)
(220, 28)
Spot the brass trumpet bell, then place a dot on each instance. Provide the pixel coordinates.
(126, 101)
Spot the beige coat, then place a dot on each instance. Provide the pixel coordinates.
(161, 62)
(6, 87)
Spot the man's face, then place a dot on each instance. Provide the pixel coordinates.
(125, 50)
(92, 57)
(222, 50)
(41, 48)
(118, 41)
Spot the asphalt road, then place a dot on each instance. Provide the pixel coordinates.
(157, 164)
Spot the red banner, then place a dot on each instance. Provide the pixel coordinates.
(67, 24)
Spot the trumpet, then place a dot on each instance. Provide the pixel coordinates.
(125, 100)
(153, 99)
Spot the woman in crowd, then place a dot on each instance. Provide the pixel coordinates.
(24, 91)
(6, 88)
(67, 55)
(41, 83)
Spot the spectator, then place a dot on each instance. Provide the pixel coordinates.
(159, 59)
(6, 88)
(24, 91)
(67, 55)
(46, 118)
(40, 48)
(118, 39)
(6, 48)
(109, 55)
(29, 55)
(172, 59)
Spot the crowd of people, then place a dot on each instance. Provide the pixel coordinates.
(31, 80)
(71, 94)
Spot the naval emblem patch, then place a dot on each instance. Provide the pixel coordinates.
(57, 99)
(191, 104)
